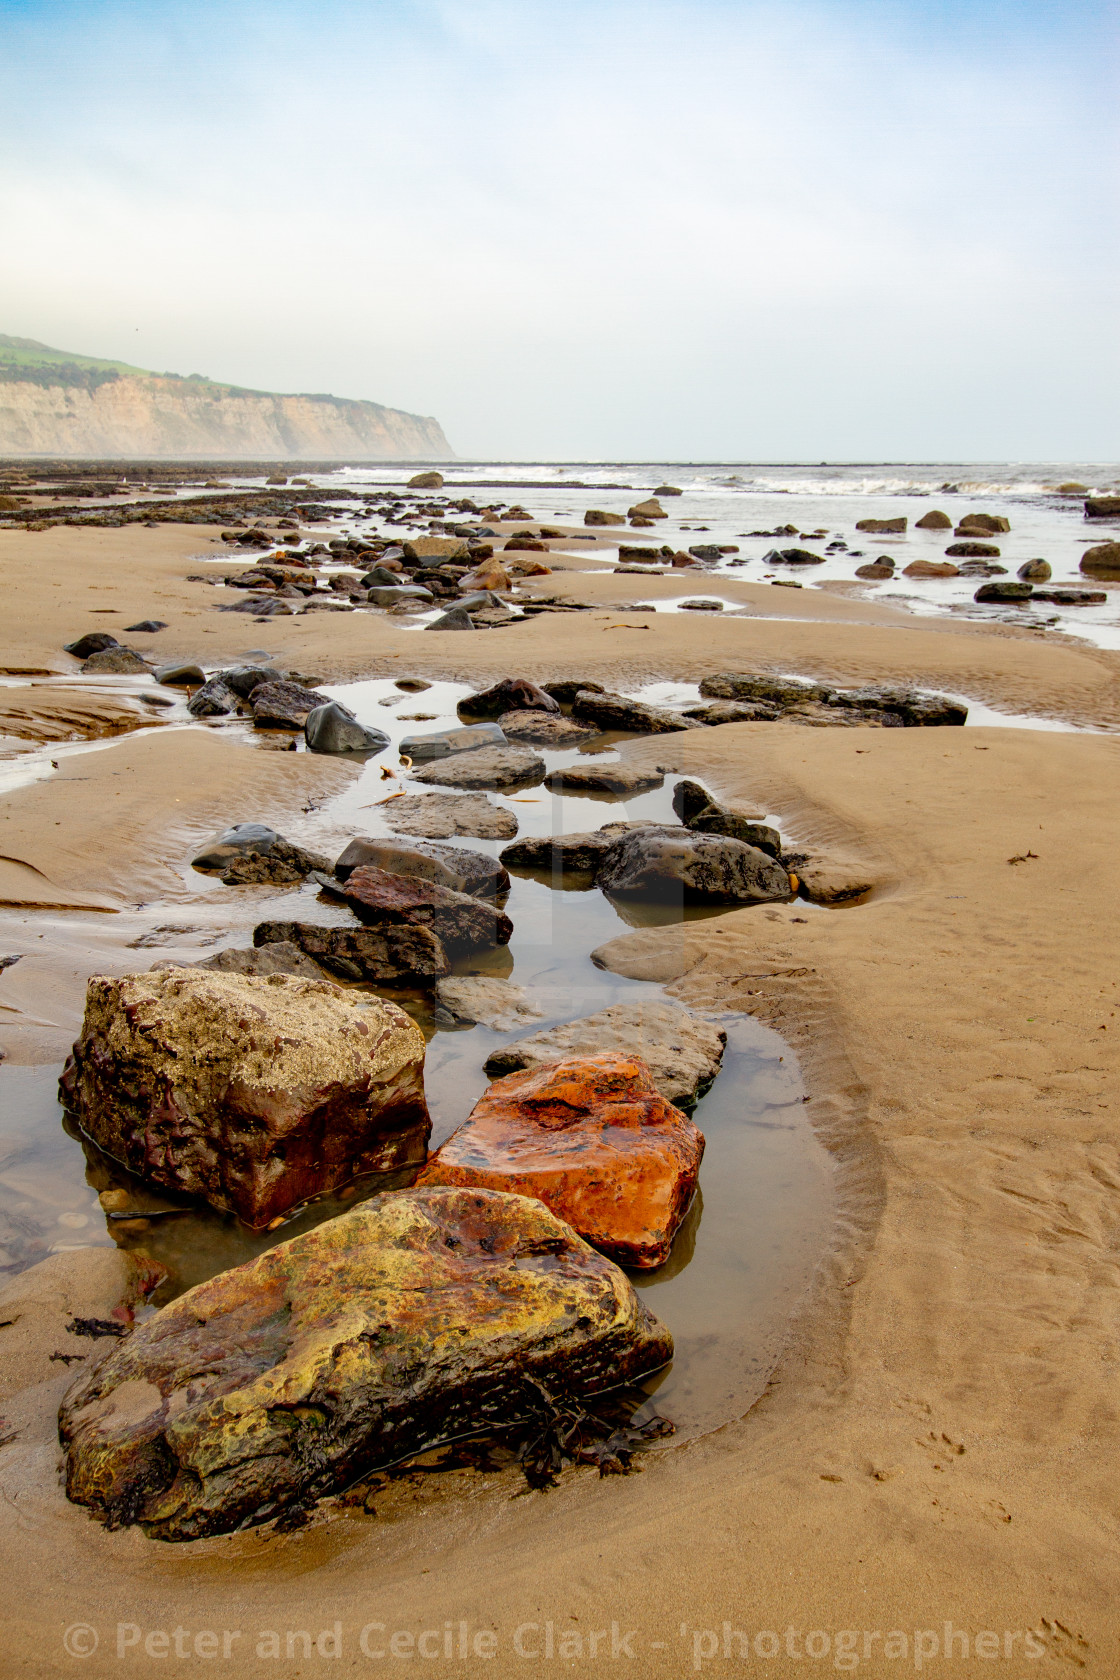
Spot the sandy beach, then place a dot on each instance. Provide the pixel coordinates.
(934, 1457)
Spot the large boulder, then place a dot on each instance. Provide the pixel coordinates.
(333, 728)
(681, 1051)
(934, 520)
(512, 694)
(1102, 507)
(1035, 571)
(489, 767)
(1102, 561)
(425, 481)
(459, 921)
(563, 854)
(94, 641)
(417, 1318)
(116, 662)
(441, 815)
(649, 509)
(608, 777)
(676, 863)
(452, 866)
(990, 524)
(908, 706)
(617, 711)
(212, 699)
(882, 527)
(1004, 592)
(243, 679)
(545, 729)
(253, 1094)
(594, 1140)
(599, 516)
(443, 743)
(394, 954)
(283, 705)
(483, 1000)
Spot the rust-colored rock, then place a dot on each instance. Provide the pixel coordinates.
(595, 1141)
(458, 921)
(250, 1093)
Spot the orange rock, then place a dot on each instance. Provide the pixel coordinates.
(490, 575)
(593, 1139)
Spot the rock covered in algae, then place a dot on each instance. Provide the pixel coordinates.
(595, 1140)
(251, 1093)
(419, 1316)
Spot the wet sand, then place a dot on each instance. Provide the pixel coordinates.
(938, 1442)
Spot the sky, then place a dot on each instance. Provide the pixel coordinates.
(726, 230)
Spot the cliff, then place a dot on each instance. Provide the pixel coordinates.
(56, 403)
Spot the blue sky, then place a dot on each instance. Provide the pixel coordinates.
(714, 230)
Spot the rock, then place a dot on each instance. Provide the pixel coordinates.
(117, 662)
(881, 568)
(667, 490)
(1102, 507)
(734, 685)
(483, 601)
(478, 999)
(425, 481)
(792, 557)
(680, 559)
(733, 711)
(213, 699)
(910, 706)
(394, 954)
(682, 1051)
(1071, 597)
(438, 816)
(529, 544)
(333, 728)
(269, 959)
(233, 842)
(412, 685)
(544, 729)
(616, 711)
(451, 866)
(252, 1094)
(934, 520)
(95, 642)
(702, 603)
(446, 742)
(1004, 592)
(563, 854)
(489, 577)
(245, 679)
(410, 1321)
(146, 627)
(459, 921)
(1035, 571)
(689, 799)
(382, 577)
(718, 819)
(1072, 488)
(283, 705)
(522, 567)
(594, 1140)
(597, 516)
(180, 675)
(279, 864)
(882, 527)
(981, 523)
(982, 568)
(512, 694)
(456, 618)
(677, 863)
(400, 594)
(1102, 561)
(705, 551)
(830, 880)
(649, 509)
(488, 767)
(623, 779)
(930, 569)
(566, 688)
(973, 550)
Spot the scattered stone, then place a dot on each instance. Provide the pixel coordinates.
(95, 642)
(426, 481)
(594, 1140)
(394, 954)
(269, 959)
(1072, 488)
(439, 816)
(213, 699)
(678, 863)
(734, 685)
(283, 705)
(1010, 591)
(702, 603)
(487, 767)
(477, 999)
(382, 577)
(1035, 571)
(233, 842)
(715, 818)
(512, 694)
(881, 568)
(116, 661)
(244, 679)
(733, 711)
(981, 523)
(934, 520)
(412, 685)
(565, 689)
(598, 516)
(412, 595)
(1071, 597)
(333, 728)
(251, 1093)
(146, 627)
(830, 880)
(649, 509)
(930, 569)
(667, 490)
(446, 742)
(616, 711)
(459, 921)
(180, 675)
(279, 864)
(973, 551)
(544, 729)
(910, 706)
(564, 854)
(681, 1050)
(452, 866)
(616, 778)
(792, 557)
(456, 618)
(705, 551)
(883, 527)
(1102, 561)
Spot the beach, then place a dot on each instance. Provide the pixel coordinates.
(930, 1453)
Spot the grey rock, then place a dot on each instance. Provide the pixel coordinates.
(243, 679)
(489, 767)
(456, 618)
(911, 706)
(439, 816)
(1009, 591)
(146, 627)
(617, 711)
(734, 711)
(563, 854)
(281, 958)
(678, 863)
(445, 742)
(702, 603)
(385, 595)
(682, 1051)
(283, 705)
(480, 1000)
(333, 728)
(545, 729)
(1060, 597)
(381, 577)
(279, 864)
(117, 662)
(392, 954)
(213, 699)
(512, 694)
(180, 675)
(95, 642)
(234, 842)
(451, 866)
(615, 778)
(565, 689)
